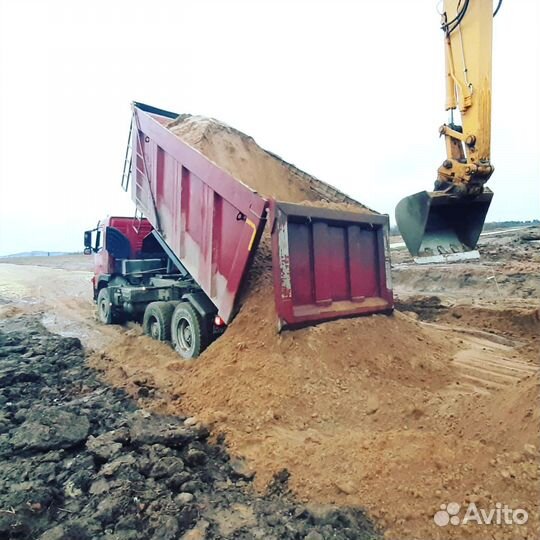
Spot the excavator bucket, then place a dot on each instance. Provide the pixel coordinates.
(442, 227)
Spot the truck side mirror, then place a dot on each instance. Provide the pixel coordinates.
(88, 242)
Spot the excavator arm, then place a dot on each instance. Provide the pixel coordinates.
(445, 224)
(467, 166)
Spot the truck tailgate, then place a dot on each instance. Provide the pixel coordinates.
(328, 263)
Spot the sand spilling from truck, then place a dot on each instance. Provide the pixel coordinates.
(264, 172)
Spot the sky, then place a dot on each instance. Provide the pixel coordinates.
(352, 92)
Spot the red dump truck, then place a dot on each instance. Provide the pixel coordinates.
(181, 267)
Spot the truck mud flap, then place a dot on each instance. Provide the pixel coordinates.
(328, 264)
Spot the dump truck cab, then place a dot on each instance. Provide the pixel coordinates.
(114, 240)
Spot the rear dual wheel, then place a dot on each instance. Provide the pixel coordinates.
(157, 320)
(188, 333)
(178, 322)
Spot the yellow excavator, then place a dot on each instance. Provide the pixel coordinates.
(444, 225)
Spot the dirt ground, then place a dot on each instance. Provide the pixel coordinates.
(398, 415)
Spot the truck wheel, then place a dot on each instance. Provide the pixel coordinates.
(157, 320)
(105, 309)
(187, 332)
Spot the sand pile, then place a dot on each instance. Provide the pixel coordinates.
(306, 373)
(264, 172)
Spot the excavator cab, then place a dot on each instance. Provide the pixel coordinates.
(439, 226)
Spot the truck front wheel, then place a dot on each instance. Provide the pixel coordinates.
(157, 320)
(105, 309)
(187, 331)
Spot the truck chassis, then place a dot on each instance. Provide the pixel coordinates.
(154, 289)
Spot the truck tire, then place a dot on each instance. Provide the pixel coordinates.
(187, 331)
(157, 320)
(105, 309)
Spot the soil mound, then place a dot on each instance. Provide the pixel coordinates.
(299, 374)
(264, 172)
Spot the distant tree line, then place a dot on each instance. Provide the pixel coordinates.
(491, 226)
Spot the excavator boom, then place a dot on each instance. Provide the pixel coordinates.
(445, 224)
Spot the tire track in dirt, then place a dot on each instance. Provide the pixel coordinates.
(488, 366)
(485, 361)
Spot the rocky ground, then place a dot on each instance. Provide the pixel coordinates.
(79, 460)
